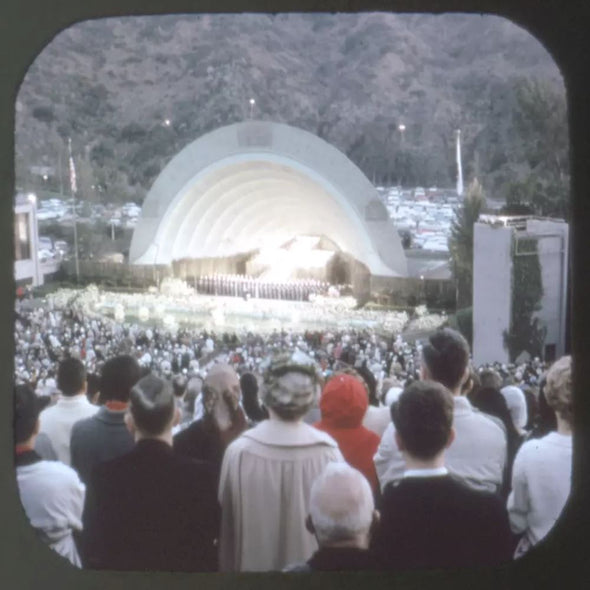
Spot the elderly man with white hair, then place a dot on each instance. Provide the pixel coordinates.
(267, 473)
(342, 517)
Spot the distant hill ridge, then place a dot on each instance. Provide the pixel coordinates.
(351, 79)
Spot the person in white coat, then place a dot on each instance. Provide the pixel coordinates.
(541, 476)
(72, 405)
(267, 473)
(478, 455)
(51, 493)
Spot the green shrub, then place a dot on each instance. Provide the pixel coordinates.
(463, 321)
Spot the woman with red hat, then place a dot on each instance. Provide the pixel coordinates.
(343, 405)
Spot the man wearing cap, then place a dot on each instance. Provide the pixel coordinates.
(51, 492)
(267, 473)
(150, 509)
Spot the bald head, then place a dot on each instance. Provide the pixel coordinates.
(341, 506)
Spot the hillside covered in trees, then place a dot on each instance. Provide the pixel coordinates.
(132, 92)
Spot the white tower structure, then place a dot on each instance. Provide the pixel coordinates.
(459, 167)
(495, 249)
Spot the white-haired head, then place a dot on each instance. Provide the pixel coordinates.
(392, 395)
(341, 506)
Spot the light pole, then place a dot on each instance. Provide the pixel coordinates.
(252, 103)
(401, 128)
(156, 273)
(32, 197)
(74, 190)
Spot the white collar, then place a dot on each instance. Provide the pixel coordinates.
(462, 405)
(79, 398)
(291, 434)
(426, 472)
(562, 440)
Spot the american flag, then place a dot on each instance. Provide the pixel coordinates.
(73, 184)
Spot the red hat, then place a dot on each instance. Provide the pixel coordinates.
(344, 401)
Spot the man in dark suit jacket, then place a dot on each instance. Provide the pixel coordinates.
(105, 436)
(429, 519)
(149, 509)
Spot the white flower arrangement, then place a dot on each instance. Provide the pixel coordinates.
(427, 322)
(175, 287)
(395, 322)
(420, 311)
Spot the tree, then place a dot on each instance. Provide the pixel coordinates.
(541, 120)
(527, 290)
(461, 242)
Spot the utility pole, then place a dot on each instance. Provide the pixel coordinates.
(61, 180)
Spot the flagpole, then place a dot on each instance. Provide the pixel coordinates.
(73, 191)
(459, 165)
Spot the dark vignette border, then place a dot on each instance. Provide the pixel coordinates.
(26, 26)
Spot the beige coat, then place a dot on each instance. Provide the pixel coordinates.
(264, 488)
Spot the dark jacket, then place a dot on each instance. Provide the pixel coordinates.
(336, 559)
(438, 522)
(151, 510)
(203, 441)
(100, 438)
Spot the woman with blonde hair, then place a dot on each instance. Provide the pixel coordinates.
(541, 476)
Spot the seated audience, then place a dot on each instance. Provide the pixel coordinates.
(150, 509)
(541, 477)
(223, 421)
(58, 420)
(429, 519)
(51, 492)
(343, 405)
(267, 473)
(104, 435)
(342, 517)
(478, 456)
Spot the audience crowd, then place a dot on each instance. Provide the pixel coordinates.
(149, 449)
